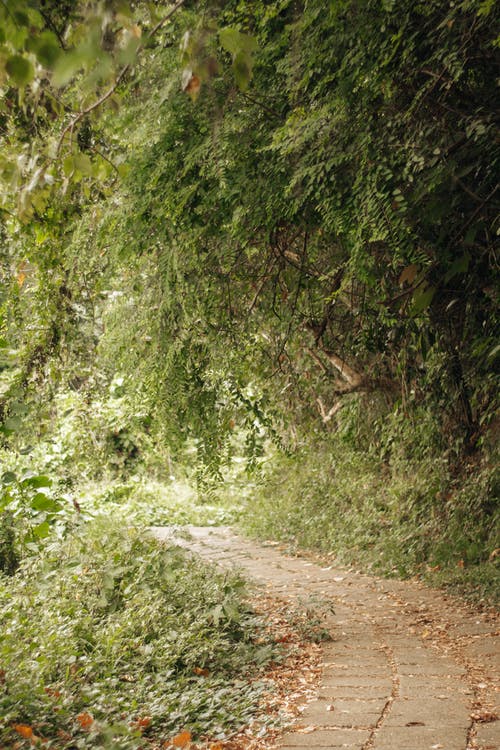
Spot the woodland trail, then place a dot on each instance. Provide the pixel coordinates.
(408, 668)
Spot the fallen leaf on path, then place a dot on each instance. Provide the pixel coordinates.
(201, 671)
(484, 717)
(142, 723)
(25, 731)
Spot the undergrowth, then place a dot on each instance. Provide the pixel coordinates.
(402, 517)
(159, 503)
(113, 640)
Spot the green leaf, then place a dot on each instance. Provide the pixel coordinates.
(459, 265)
(20, 70)
(68, 166)
(9, 477)
(21, 18)
(83, 164)
(67, 65)
(37, 481)
(12, 424)
(42, 530)
(235, 42)
(46, 48)
(42, 502)
(242, 68)
(423, 299)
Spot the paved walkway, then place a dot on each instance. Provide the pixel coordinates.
(408, 668)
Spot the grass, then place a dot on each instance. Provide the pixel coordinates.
(154, 503)
(399, 519)
(113, 640)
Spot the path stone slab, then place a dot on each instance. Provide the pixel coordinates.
(351, 713)
(332, 738)
(420, 738)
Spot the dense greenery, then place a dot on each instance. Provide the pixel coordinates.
(282, 234)
(247, 250)
(124, 649)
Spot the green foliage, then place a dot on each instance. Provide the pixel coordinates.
(121, 627)
(404, 515)
(303, 236)
(144, 501)
(29, 512)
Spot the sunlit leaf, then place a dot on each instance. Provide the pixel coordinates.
(40, 480)
(42, 502)
(235, 42)
(42, 530)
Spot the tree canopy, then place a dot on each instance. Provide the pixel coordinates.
(256, 213)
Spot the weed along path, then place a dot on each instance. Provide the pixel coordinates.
(407, 667)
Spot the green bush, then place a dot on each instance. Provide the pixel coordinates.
(113, 625)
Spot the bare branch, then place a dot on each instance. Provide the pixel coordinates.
(353, 378)
(107, 94)
(327, 416)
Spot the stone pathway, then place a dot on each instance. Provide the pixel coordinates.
(408, 667)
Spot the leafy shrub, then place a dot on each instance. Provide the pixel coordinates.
(110, 633)
(29, 510)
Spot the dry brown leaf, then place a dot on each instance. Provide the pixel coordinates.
(85, 720)
(483, 716)
(25, 731)
(182, 739)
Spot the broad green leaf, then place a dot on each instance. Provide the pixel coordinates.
(12, 424)
(242, 68)
(459, 265)
(20, 70)
(422, 299)
(8, 477)
(37, 481)
(235, 42)
(83, 164)
(42, 530)
(46, 47)
(66, 67)
(68, 166)
(42, 502)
